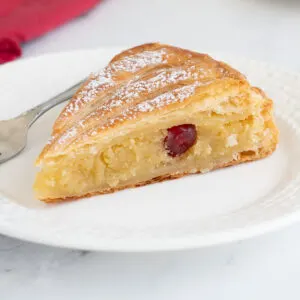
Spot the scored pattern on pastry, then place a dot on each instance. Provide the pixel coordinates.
(109, 77)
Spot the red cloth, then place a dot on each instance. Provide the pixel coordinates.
(23, 20)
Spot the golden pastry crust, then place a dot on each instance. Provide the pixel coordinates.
(127, 108)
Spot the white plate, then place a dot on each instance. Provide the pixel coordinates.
(195, 211)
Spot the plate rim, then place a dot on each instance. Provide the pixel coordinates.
(212, 240)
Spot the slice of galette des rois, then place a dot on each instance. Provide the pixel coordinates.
(155, 112)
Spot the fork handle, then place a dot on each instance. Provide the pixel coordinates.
(34, 113)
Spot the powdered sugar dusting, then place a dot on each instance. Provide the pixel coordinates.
(104, 78)
(134, 89)
(89, 92)
(69, 134)
(136, 62)
(50, 140)
(177, 95)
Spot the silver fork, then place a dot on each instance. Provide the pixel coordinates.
(13, 132)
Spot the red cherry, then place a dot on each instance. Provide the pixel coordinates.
(180, 138)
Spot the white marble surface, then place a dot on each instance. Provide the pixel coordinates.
(267, 267)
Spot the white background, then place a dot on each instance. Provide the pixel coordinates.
(267, 267)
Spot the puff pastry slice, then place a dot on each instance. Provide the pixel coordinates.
(155, 112)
